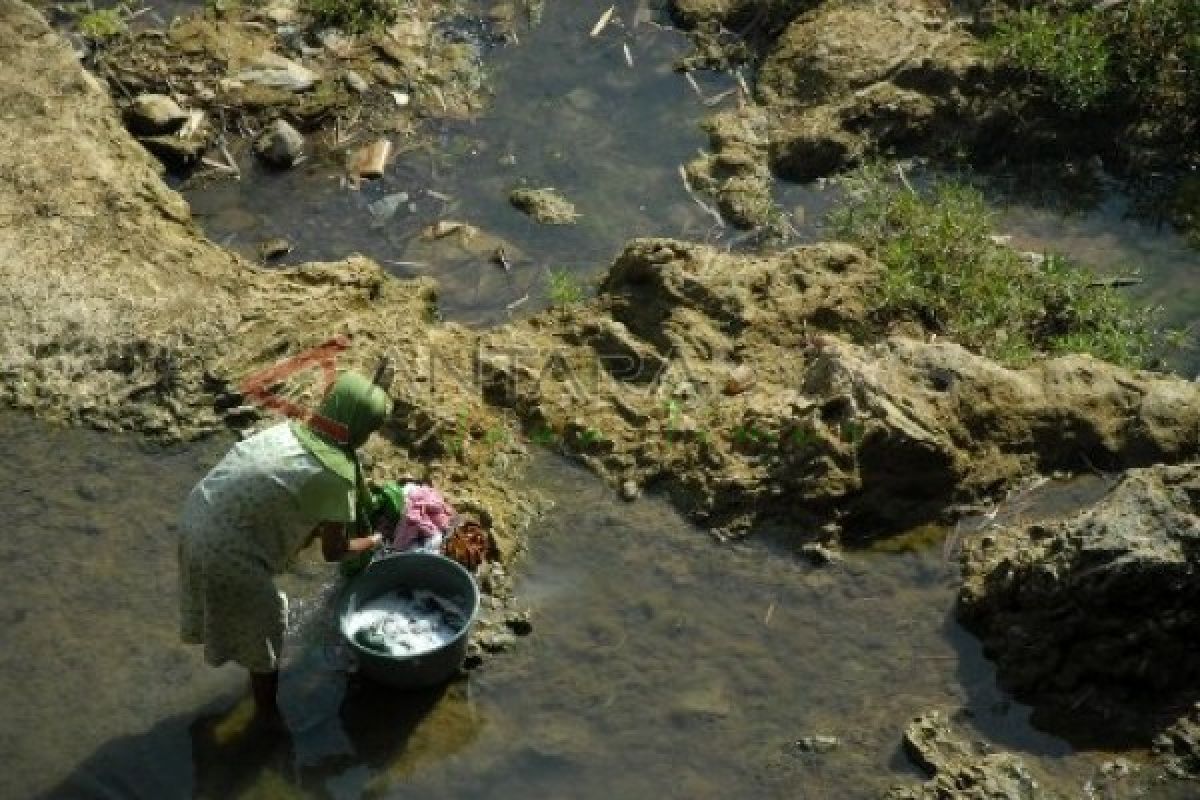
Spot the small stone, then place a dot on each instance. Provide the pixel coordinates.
(497, 642)
(741, 378)
(818, 743)
(519, 622)
(355, 82)
(152, 114)
(819, 555)
(279, 145)
(630, 491)
(278, 72)
(273, 248)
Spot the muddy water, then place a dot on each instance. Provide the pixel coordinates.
(1118, 242)
(661, 663)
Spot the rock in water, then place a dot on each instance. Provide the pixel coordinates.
(1104, 604)
(961, 769)
(153, 114)
(545, 205)
(279, 145)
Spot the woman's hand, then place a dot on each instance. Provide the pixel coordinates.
(365, 543)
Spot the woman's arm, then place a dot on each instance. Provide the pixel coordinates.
(335, 545)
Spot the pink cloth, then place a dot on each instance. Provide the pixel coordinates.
(427, 515)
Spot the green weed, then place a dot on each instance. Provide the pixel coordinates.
(563, 288)
(101, 24)
(1141, 58)
(1070, 52)
(944, 271)
(352, 16)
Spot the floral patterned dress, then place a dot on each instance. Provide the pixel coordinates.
(242, 524)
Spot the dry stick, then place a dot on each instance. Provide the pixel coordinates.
(602, 22)
(767, 617)
(904, 180)
(219, 167)
(695, 86)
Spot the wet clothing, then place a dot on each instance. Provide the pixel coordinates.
(244, 522)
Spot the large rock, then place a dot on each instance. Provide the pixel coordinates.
(1099, 611)
(844, 81)
(880, 435)
(961, 769)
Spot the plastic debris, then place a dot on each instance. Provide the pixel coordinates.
(371, 160)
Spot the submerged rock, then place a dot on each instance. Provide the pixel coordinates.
(546, 206)
(961, 769)
(736, 171)
(1178, 747)
(1102, 606)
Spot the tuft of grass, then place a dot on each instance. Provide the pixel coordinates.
(352, 16)
(101, 24)
(1070, 52)
(563, 288)
(944, 270)
(1141, 57)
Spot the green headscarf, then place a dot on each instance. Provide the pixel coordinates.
(350, 412)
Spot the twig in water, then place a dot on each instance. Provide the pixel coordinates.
(414, 264)
(218, 166)
(520, 301)
(229, 159)
(767, 616)
(602, 22)
(687, 185)
(737, 75)
(628, 54)
(717, 98)
(695, 86)
(1115, 283)
(904, 180)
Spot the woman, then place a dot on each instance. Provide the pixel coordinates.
(255, 511)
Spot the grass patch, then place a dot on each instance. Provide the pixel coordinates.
(101, 24)
(1141, 56)
(563, 288)
(352, 16)
(1070, 52)
(944, 271)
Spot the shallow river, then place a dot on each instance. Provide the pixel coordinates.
(661, 664)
